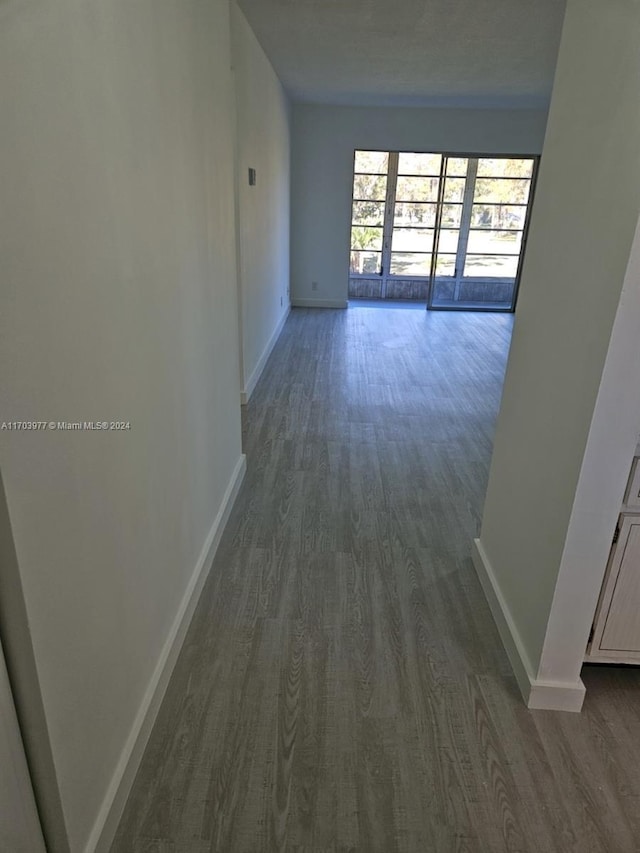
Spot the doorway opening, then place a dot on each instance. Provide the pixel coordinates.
(442, 229)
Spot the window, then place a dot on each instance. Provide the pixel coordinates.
(453, 226)
(415, 209)
(367, 220)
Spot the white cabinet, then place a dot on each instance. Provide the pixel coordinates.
(615, 637)
(632, 496)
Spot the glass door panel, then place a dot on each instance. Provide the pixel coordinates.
(415, 188)
(411, 264)
(414, 214)
(451, 215)
(452, 230)
(492, 225)
(505, 167)
(413, 239)
(484, 241)
(496, 230)
(498, 216)
(505, 191)
(454, 189)
(491, 266)
(415, 208)
(457, 166)
(411, 163)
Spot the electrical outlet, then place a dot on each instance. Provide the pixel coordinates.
(314, 285)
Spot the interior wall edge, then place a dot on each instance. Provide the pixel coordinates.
(556, 696)
(610, 447)
(20, 659)
(511, 640)
(263, 148)
(20, 826)
(536, 693)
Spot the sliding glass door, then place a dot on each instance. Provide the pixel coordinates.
(491, 237)
(414, 209)
(447, 230)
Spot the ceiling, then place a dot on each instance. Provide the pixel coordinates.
(481, 53)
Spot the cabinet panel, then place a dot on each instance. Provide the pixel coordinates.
(632, 497)
(617, 626)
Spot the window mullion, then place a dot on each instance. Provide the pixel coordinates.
(465, 221)
(389, 209)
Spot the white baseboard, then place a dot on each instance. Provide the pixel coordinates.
(319, 303)
(556, 695)
(106, 823)
(538, 694)
(520, 663)
(252, 381)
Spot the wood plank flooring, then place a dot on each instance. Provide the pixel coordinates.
(342, 686)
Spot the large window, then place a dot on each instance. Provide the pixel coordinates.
(444, 228)
(369, 202)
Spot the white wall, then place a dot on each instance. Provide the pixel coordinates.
(119, 303)
(323, 141)
(262, 143)
(584, 218)
(611, 444)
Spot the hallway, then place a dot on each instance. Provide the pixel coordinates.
(342, 686)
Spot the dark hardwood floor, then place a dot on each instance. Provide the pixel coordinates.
(342, 686)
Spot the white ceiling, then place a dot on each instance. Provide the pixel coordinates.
(411, 52)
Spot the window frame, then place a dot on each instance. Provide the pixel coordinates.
(384, 272)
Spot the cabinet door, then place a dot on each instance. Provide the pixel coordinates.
(617, 627)
(632, 498)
